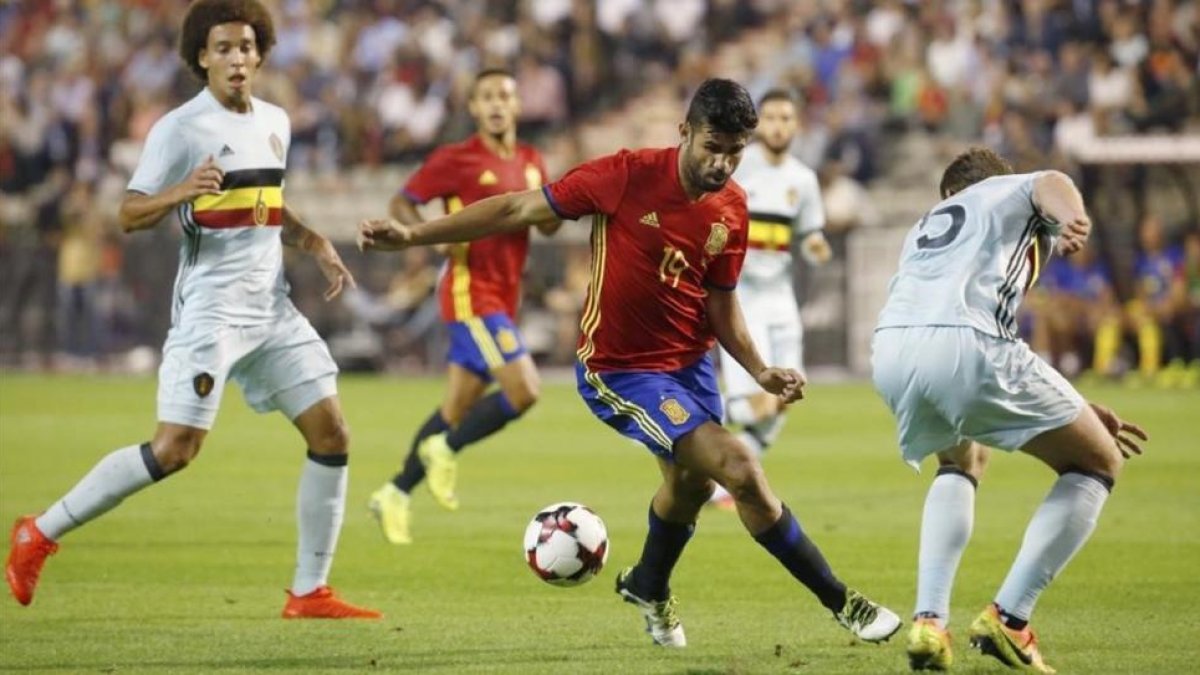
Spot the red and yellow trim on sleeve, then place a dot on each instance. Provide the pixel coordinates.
(248, 198)
(460, 270)
(769, 232)
(591, 308)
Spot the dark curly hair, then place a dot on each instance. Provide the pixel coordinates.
(971, 167)
(723, 105)
(204, 14)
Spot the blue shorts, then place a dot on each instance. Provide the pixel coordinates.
(484, 343)
(653, 408)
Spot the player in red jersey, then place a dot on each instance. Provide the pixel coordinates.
(668, 238)
(479, 291)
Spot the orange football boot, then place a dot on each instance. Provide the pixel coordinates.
(29, 551)
(323, 604)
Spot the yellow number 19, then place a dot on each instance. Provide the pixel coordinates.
(673, 264)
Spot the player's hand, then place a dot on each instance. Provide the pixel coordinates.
(785, 383)
(1123, 432)
(1074, 235)
(204, 180)
(383, 234)
(815, 249)
(334, 270)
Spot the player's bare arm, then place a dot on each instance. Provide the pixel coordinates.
(494, 215)
(298, 236)
(729, 325)
(141, 212)
(1122, 432)
(1056, 196)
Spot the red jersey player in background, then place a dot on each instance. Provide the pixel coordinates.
(668, 238)
(479, 291)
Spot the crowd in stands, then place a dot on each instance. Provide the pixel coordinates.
(379, 82)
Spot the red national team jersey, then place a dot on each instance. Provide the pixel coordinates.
(654, 252)
(482, 277)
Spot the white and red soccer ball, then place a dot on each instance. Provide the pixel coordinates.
(566, 544)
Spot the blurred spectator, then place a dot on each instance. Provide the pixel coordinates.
(1154, 313)
(81, 332)
(1076, 318)
(1187, 290)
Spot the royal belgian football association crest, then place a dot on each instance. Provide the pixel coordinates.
(203, 384)
(276, 146)
(674, 411)
(718, 236)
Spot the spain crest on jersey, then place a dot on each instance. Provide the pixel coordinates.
(718, 236)
(674, 411)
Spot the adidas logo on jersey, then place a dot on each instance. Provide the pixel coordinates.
(226, 151)
(487, 178)
(650, 219)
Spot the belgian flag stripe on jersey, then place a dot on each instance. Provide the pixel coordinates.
(252, 178)
(248, 198)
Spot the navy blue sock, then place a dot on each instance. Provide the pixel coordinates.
(787, 542)
(414, 471)
(485, 418)
(664, 544)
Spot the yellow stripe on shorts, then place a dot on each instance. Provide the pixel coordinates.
(630, 409)
(483, 340)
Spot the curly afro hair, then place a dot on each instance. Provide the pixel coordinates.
(204, 14)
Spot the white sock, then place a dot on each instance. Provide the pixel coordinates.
(739, 411)
(768, 430)
(1059, 528)
(320, 505)
(945, 530)
(719, 494)
(119, 474)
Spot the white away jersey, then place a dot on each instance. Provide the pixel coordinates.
(231, 259)
(783, 200)
(971, 259)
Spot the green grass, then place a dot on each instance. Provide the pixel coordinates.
(189, 575)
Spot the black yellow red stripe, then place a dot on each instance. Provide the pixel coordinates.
(769, 231)
(248, 198)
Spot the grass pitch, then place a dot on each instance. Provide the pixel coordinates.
(188, 576)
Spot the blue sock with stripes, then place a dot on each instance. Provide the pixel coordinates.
(664, 544)
(414, 470)
(787, 542)
(489, 415)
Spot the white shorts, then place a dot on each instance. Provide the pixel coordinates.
(282, 366)
(774, 323)
(949, 383)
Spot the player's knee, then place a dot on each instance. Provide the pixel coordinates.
(175, 450)
(523, 396)
(743, 477)
(334, 439)
(695, 489)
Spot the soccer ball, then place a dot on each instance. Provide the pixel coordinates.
(566, 544)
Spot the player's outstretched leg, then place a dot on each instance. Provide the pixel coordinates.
(712, 450)
(390, 503)
(320, 507)
(946, 525)
(115, 477)
(1087, 459)
(518, 380)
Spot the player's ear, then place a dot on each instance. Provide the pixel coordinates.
(685, 131)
